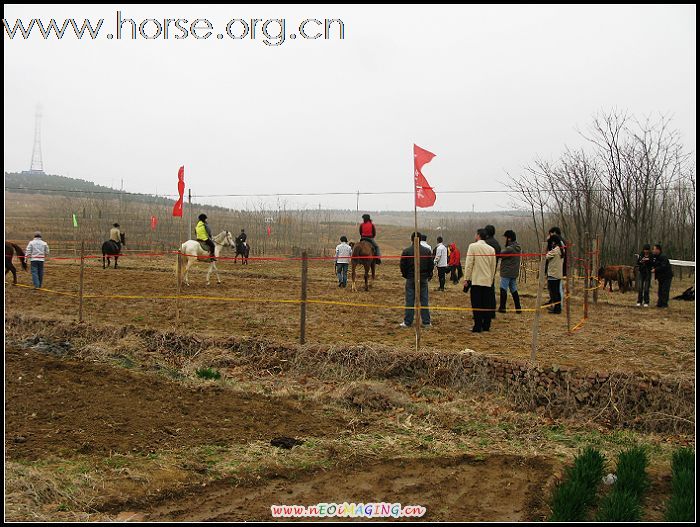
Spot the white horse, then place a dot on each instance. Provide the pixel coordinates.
(192, 250)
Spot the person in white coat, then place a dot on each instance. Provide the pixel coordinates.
(441, 263)
(479, 273)
(37, 252)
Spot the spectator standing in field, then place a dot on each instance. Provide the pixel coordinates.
(424, 243)
(455, 263)
(490, 240)
(37, 252)
(343, 252)
(510, 269)
(644, 268)
(564, 254)
(663, 274)
(554, 273)
(441, 262)
(479, 273)
(426, 273)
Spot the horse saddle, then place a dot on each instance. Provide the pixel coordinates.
(116, 246)
(203, 245)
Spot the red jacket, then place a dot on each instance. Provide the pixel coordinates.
(454, 255)
(367, 230)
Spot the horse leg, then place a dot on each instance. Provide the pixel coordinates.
(116, 259)
(353, 288)
(211, 265)
(104, 266)
(186, 277)
(216, 270)
(366, 277)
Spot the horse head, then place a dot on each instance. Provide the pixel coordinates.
(122, 236)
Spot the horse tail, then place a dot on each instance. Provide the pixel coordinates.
(20, 254)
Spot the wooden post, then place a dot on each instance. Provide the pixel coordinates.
(304, 276)
(586, 274)
(567, 290)
(595, 258)
(82, 274)
(538, 304)
(179, 274)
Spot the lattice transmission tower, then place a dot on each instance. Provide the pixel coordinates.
(37, 164)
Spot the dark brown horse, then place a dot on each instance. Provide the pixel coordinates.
(242, 249)
(622, 274)
(112, 248)
(363, 254)
(10, 250)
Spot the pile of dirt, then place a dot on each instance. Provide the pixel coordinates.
(65, 407)
(373, 395)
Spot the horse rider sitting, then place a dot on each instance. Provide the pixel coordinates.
(241, 238)
(367, 233)
(204, 234)
(115, 236)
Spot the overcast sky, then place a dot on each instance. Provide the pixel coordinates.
(487, 89)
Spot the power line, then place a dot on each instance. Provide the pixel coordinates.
(355, 193)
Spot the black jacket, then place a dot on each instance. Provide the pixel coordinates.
(662, 267)
(496, 246)
(644, 264)
(427, 265)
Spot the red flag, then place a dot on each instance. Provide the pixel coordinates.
(269, 230)
(177, 209)
(424, 193)
(154, 222)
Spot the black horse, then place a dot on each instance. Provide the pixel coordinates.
(10, 250)
(112, 248)
(242, 248)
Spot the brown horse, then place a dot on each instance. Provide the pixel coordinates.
(10, 250)
(363, 254)
(622, 274)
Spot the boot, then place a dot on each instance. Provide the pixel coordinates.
(486, 325)
(504, 299)
(516, 301)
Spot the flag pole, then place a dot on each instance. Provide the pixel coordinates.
(416, 267)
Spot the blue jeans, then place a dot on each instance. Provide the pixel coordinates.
(411, 301)
(37, 272)
(341, 270)
(509, 283)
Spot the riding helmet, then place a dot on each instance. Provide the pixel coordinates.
(365, 217)
(202, 217)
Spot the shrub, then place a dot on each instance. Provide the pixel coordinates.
(681, 506)
(208, 373)
(576, 493)
(624, 502)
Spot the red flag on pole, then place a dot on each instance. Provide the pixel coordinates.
(425, 196)
(177, 209)
(154, 222)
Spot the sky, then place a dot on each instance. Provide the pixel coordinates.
(486, 88)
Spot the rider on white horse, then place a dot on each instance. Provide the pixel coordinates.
(204, 234)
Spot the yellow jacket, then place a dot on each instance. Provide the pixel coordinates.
(201, 231)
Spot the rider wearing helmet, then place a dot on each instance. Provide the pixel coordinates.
(367, 233)
(204, 234)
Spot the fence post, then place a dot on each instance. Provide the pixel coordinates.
(596, 264)
(536, 320)
(567, 291)
(586, 274)
(82, 274)
(304, 274)
(179, 285)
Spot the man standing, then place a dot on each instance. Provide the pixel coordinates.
(441, 262)
(343, 252)
(510, 269)
(368, 233)
(663, 273)
(554, 273)
(426, 273)
(480, 272)
(644, 267)
(204, 234)
(455, 262)
(424, 243)
(491, 240)
(37, 252)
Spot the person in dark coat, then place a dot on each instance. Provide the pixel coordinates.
(644, 267)
(663, 273)
(490, 231)
(427, 266)
(510, 270)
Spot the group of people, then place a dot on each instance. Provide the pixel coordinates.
(652, 262)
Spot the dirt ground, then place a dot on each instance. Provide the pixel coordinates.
(617, 335)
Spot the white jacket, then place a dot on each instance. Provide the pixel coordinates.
(480, 266)
(441, 255)
(343, 252)
(37, 249)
